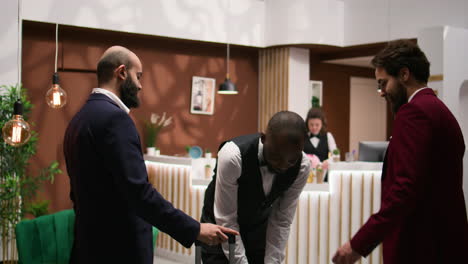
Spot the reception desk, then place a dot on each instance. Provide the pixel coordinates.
(327, 214)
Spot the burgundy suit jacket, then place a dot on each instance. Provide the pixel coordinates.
(422, 218)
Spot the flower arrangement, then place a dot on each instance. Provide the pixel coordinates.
(154, 127)
(314, 161)
(316, 170)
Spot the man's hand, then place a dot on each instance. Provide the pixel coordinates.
(345, 255)
(213, 234)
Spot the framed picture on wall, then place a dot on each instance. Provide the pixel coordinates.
(315, 94)
(203, 95)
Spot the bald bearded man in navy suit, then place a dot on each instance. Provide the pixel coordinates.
(115, 205)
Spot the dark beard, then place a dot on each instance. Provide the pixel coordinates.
(398, 99)
(129, 93)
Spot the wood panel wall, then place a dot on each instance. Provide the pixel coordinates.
(168, 68)
(273, 83)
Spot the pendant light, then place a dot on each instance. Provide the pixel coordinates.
(56, 97)
(17, 132)
(227, 87)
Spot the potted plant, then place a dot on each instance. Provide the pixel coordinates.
(207, 153)
(315, 102)
(153, 127)
(208, 171)
(336, 155)
(187, 150)
(18, 190)
(319, 173)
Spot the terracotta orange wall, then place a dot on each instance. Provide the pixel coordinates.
(168, 66)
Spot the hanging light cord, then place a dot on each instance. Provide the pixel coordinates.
(56, 46)
(227, 39)
(19, 48)
(227, 61)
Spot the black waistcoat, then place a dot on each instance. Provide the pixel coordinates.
(322, 149)
(253, 207)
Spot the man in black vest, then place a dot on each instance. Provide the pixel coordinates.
(255, 189)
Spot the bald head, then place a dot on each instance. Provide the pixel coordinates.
(119, 70)
(288, 124)
(284, 141)
(112, 58)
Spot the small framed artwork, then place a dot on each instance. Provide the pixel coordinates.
(315, 92)
(203, 95)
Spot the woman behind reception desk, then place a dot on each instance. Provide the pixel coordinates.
(320, 142)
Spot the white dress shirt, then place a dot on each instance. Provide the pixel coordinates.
(415, 92)
(282, 213)
(113, 97)
(331, 142)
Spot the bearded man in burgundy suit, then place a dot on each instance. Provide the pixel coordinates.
(422, 217)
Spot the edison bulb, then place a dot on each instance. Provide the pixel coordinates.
(16, 132)
(56, 97)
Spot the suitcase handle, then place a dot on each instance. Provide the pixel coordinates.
(231, 240)
(232, 245)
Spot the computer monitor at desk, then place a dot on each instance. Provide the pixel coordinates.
(373, 151)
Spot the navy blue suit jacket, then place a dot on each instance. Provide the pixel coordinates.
(115, 205)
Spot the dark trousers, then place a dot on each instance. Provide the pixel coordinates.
(215, 255)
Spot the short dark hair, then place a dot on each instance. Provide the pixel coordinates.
(289, 123)
(108, 63)
(403, 53)
(317, 113)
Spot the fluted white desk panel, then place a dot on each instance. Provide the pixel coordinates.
(327, 214)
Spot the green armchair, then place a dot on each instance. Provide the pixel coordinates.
(48, 239)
